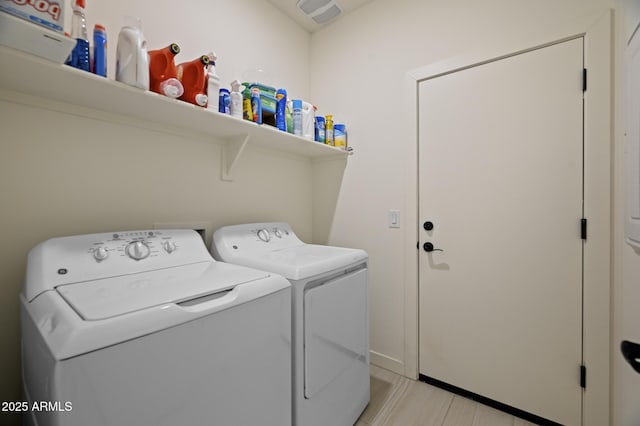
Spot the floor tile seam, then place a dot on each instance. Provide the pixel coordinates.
(398, 391)
(444, 419)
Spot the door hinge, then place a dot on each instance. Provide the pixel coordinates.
(583, 377)
(584, 79)
(583, 228)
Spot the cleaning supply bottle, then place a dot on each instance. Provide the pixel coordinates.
(193, 76)
(256, 105)
(281, 110)
(328, 132)
(132, 59)
(213, 81)
(297, 117)
(235, 99)
(340, 135)
(289, 116)
(80, 53)
(224, 101)
(163, 74)
(320, 128)
(308, 120)
(99, 50)
(247, 111)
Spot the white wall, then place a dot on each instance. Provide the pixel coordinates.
(61, 174)
(626, 320)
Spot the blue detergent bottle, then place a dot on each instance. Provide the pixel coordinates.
(80, 53)
(224, 101)
(100, 50)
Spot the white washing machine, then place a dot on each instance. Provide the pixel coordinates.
(330, 316)
(144, 328)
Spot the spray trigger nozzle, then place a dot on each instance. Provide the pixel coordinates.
(236, 86)
(212, 58)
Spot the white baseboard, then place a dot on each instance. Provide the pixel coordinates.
(387, 362)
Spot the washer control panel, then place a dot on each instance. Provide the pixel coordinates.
(136, 245)
(97, 256)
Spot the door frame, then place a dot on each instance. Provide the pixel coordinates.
(598, 135)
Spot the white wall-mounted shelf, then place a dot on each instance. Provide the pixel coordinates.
(30, 75)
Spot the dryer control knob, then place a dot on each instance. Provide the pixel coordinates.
(277, 232)
(264, 235)
(138, 250)
(100, 254)
(169, 246)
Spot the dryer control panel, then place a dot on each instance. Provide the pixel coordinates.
(254, 238)
(96, 256)
(274, 247)
(273, 231)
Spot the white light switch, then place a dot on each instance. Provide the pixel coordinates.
(393, 220)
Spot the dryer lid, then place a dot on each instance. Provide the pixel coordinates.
(274, 247)
(112, 297)
(303, 261)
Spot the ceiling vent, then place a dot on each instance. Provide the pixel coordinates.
(321, 11)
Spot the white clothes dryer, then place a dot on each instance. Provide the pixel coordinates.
(145, 328)
(330, 316)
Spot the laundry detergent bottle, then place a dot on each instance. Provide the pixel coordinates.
(163, 74)
(132, 58)
(193, 76)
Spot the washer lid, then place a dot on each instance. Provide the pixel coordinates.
(112, 297)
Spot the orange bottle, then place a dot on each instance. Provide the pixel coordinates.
(193, 76)
(162, 66)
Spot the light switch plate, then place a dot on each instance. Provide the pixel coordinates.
(393, 219)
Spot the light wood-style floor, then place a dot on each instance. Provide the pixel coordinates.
(398, 401)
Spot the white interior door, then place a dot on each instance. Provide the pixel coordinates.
(501, 180)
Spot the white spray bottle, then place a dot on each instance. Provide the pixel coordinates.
(213, 82)
(236, 99)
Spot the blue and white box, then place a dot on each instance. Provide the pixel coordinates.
(47, 13)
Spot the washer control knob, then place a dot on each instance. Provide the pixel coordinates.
(264, 235)
(138, 250)
(169, 246)
(100, 254)
(277, 232)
